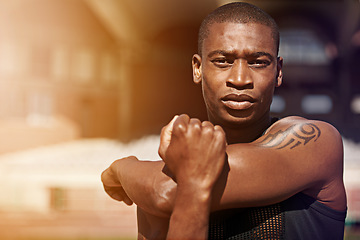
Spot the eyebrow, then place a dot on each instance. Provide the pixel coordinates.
(255, 54)
(220, 52)
(260, 54)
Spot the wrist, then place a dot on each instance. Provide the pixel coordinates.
(196, 183)
(190, 217)
(194, 192)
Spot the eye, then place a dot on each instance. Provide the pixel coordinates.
(258, 63)
(222, 62)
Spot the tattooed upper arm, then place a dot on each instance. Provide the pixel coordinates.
(291, 137)
(294, 155)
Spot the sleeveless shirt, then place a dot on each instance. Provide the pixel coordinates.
(299, 217)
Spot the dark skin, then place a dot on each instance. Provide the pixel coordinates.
(195, 171)
(238, 71)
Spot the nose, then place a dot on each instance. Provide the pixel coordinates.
(239, 76)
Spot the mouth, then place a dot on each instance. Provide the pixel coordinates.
(238, 101)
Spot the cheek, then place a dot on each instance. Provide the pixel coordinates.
(210, 93)
(267, 93)
(209, 85)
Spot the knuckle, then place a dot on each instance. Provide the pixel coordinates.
(179, 128)
(208, 131)
(195, 124)
(184, 116)
(180, 125)
(207, 124)
(195, 121)
(219, 130)
(220, 134)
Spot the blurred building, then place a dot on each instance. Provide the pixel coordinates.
(121, 69)
(319, 43)
(55, 191)
(58, 74)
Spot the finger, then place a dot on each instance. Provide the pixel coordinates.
(181, 124)
(125, 197)
(207, 124)
(195, 123)
(207, 130)
(166, 131)
(165, 137)
(108, 178)
(219, 129)
(114, 192)
(207, 127)
(128, 201)
(118, 193)
(220, 134)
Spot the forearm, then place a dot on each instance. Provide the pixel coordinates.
(147, 186)
(155, 192)
(190, 217)
(150, 226)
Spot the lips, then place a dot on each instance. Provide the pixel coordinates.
(238, 101)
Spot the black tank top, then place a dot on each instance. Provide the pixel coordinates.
(299, 217)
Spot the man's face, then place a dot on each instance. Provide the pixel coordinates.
(238, 71)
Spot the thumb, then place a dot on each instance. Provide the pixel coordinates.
(165, 137)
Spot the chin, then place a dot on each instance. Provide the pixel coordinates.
(232, 118)
(243, 114)
(231, 121)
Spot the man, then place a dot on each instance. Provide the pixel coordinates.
(278, 179)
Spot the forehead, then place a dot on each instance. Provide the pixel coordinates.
(239, 37)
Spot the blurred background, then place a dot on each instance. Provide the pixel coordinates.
(84, 82)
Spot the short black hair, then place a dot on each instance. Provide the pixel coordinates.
(237, 12)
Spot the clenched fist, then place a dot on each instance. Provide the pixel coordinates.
(193, 151)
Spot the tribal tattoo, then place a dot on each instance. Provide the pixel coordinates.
(292, 137)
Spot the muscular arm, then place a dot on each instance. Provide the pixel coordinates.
(295, 155)
(144, 182)
(196, 156)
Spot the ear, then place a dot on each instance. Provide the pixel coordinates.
(279, 74)
(196, 66)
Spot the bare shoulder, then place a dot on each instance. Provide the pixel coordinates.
(298, 155)
(312, 139)
(318, 142)
(298, 132)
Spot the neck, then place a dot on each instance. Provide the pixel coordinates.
(247, 132)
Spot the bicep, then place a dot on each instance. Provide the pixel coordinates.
(288, 159)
